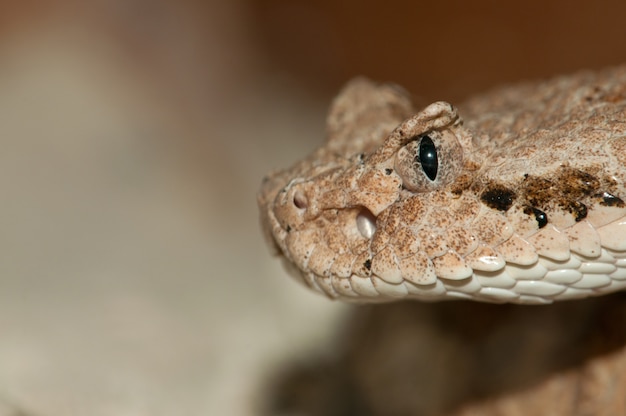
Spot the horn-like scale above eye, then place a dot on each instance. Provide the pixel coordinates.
(429, 161)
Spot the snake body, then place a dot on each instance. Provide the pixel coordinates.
(516, 196)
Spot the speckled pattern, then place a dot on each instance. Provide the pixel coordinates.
(523, 202)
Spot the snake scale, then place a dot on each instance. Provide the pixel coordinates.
(515, 196)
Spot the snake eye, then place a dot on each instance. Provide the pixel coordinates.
(427, 157)
(429, 161)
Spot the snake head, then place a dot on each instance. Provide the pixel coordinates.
(510, 208)
(332, 215)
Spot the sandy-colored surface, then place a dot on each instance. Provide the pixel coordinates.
(133, 281)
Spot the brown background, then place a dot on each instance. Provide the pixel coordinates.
(449, 49)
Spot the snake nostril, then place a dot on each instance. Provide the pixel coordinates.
(299, 200)
(366, 223)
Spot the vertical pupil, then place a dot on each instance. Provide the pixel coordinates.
(428, 157)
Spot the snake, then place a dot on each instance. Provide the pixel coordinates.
(514, 196)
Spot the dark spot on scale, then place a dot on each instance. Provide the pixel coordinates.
(457, 191)
(611, 200)
(538, 191)
(288, 229)
(461, 183)
(498, 197)
(574, 182)
(388, 171)
(368, 264)
(540, 216)
(578, 210)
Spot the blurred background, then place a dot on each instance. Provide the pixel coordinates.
(133, 136)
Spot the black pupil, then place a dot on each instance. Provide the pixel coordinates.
(428, 157)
